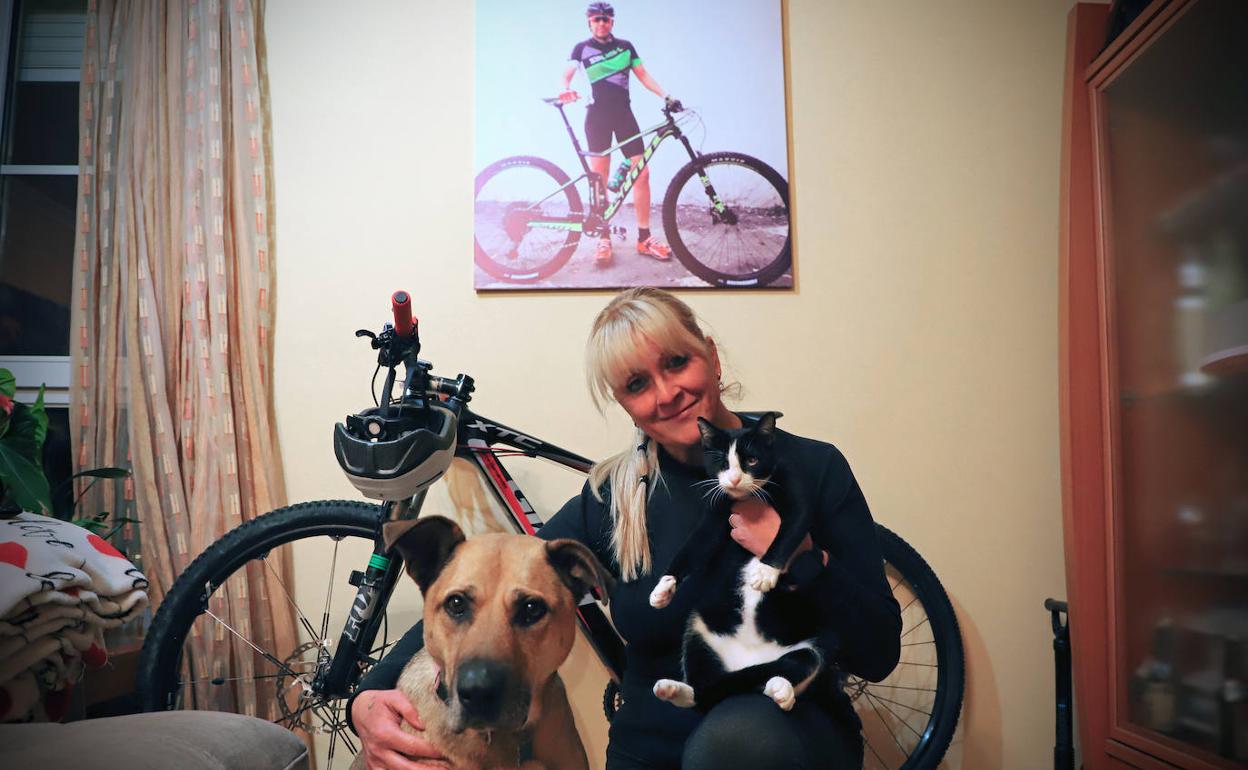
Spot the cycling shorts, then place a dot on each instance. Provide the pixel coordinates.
(602, 120)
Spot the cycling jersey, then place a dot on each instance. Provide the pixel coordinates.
(607, 65)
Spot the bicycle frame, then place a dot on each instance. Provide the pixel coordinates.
(602, 208)
(476, 438)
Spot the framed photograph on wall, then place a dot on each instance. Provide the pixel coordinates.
(631, 143)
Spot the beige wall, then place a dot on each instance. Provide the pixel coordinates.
(922, 337)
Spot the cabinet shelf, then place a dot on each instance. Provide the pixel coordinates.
(1212, 205)
(1226, 571)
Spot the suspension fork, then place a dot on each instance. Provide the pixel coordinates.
(374, 587)
(717, 204)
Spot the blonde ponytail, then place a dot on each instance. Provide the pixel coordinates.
(632, 475)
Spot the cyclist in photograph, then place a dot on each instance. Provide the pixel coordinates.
(648, 353)
(607, 60)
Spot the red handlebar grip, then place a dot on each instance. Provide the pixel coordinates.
(401, 304)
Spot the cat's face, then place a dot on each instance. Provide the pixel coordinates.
(741, 461)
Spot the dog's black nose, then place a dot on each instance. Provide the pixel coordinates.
(480, 687)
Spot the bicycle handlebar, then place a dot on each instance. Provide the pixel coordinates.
(401, 306)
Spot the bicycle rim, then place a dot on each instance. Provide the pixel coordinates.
(524, 226)
(909, 718)
(741, 235)
(210, 603)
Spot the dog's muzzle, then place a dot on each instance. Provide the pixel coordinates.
(489, 695)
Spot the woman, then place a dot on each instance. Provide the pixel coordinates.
(647, 352)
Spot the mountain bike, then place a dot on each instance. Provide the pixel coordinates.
(908, 718)
(725, 214)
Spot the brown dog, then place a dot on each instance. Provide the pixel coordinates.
(500, 617)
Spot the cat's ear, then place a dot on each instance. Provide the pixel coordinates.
(708, 431)
(766, 425)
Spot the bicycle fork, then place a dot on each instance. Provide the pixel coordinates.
(720, 213)
(373, 589)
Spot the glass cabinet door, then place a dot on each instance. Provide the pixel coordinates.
(1173, 154)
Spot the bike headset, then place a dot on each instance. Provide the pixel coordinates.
(396, 450)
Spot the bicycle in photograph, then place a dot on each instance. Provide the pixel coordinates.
(725, 214)
(908, 718)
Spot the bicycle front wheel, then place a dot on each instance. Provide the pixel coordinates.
(527, 219)
(240, 667)
(909, 718)
(726, 216)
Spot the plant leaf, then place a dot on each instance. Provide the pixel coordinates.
(40, 415)
(28, 428)
(8, 383)
(107, 472)
(25, 481)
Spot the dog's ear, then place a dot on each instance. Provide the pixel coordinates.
(579, 569)
(425, 544)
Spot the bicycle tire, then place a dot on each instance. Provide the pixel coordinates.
(158, 679)
(938, 614)
(742, 247)
(505, 231)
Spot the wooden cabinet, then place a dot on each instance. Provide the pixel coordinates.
(1154, 383)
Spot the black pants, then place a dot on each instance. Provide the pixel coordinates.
(749, 732)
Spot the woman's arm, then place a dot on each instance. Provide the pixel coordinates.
(853, 594)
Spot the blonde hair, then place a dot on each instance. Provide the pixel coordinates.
(614, 351)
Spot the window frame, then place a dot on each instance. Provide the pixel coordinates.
(53, 372)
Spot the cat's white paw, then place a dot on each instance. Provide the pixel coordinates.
(662, 594)
(780, 690)
(760, 577)
(677, 693)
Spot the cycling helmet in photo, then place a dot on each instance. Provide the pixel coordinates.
(600, 9)
(393, 453)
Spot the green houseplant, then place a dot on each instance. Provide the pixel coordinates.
(23, 485)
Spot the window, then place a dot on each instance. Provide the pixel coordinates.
(41, 46)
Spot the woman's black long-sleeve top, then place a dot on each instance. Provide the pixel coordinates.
(860, 619)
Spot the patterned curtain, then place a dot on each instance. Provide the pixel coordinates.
(173, 346)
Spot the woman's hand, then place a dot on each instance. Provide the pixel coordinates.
(377, 715)
(755, 524)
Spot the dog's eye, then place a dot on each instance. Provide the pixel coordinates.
(456, 605)
(531, 611)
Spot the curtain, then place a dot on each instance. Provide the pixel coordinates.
(172, 320)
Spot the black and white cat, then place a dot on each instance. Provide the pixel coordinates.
(742, 636)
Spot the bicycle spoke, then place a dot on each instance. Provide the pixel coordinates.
(899, 703)
(903, 687)
(303, 620)
(887, 727)
(281, 666)
(898, 717)
(329, 594)
(219, 681)
(878, 758)
(912, 628)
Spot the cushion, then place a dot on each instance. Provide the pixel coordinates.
(188, 740)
